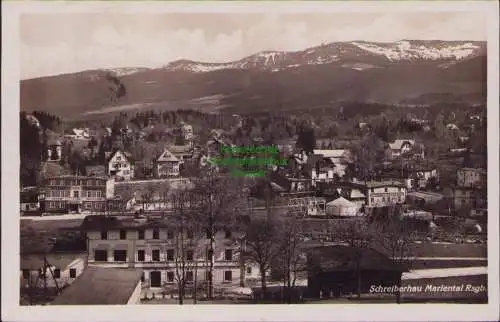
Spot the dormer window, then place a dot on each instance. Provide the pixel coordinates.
(118, 158)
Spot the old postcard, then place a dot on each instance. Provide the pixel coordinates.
(236, 158)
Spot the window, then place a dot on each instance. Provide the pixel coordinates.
(101, 256)
(249, 270)
(228, 255)
(170, 254)
(118, 158)
(57, 273)
(72, 273)
(170, 234)
(123, 234)
(228, 276)
(120, 255)
(26, 273)
(227, 234)
(143, 277)
(189, 276)
(373, 190)
(170, 277)
(189, 255)
(372, 200)
(76, 194)
(156, 233)
(104, 235)
(385, 189)
(141, 234)
(156, 255)
(141, 255)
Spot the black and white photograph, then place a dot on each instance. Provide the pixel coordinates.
(245, 156)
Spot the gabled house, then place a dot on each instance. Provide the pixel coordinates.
(121, 165)
(167, 165)
(335, 160)
(400, 147)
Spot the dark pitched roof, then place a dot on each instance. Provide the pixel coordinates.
(59, 260)
(128, 155)
(101, 286)
(342, 258)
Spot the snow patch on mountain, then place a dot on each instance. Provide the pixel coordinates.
(406, 50)
(125, 71)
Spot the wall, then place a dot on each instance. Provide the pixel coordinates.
(79, 264)
(383, 196)
(135, 298)
(132, 244)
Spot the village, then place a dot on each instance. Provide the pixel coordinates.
(154, 221)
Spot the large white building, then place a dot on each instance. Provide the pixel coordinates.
(152, 245)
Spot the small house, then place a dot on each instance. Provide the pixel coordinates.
(120, 164)
(339, 270)
(400, 147)
(167, 165)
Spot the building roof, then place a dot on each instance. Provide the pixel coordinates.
(167, 156)
(59, 260)
(128, 155)
(375, 184)
(481, 170)
(398, 144)
(74, 177)
(343, 258)
(338, 153)
(341, 202)
(180, 149)
(96, 170)
(101, 286)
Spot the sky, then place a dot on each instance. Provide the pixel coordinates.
(60, 43)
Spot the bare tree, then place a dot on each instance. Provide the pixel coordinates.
(262, 246)
(188, 232)
(395, 238)
(291, 255)
(221, 199)
(358, 234)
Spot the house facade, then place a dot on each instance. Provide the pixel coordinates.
(74, 194)
(120, 164)
(151, 246)
(167, 165)
(376, 193)
(471, 178)
(400, 147)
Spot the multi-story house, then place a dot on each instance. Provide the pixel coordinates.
(400, 147)
(120, 164)
(74, 194)
(186, 131)
(376, 193)
(167, 165)
(153, 245)
(471, 178)
(471, 192)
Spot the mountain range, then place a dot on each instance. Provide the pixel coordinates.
(407, 71)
